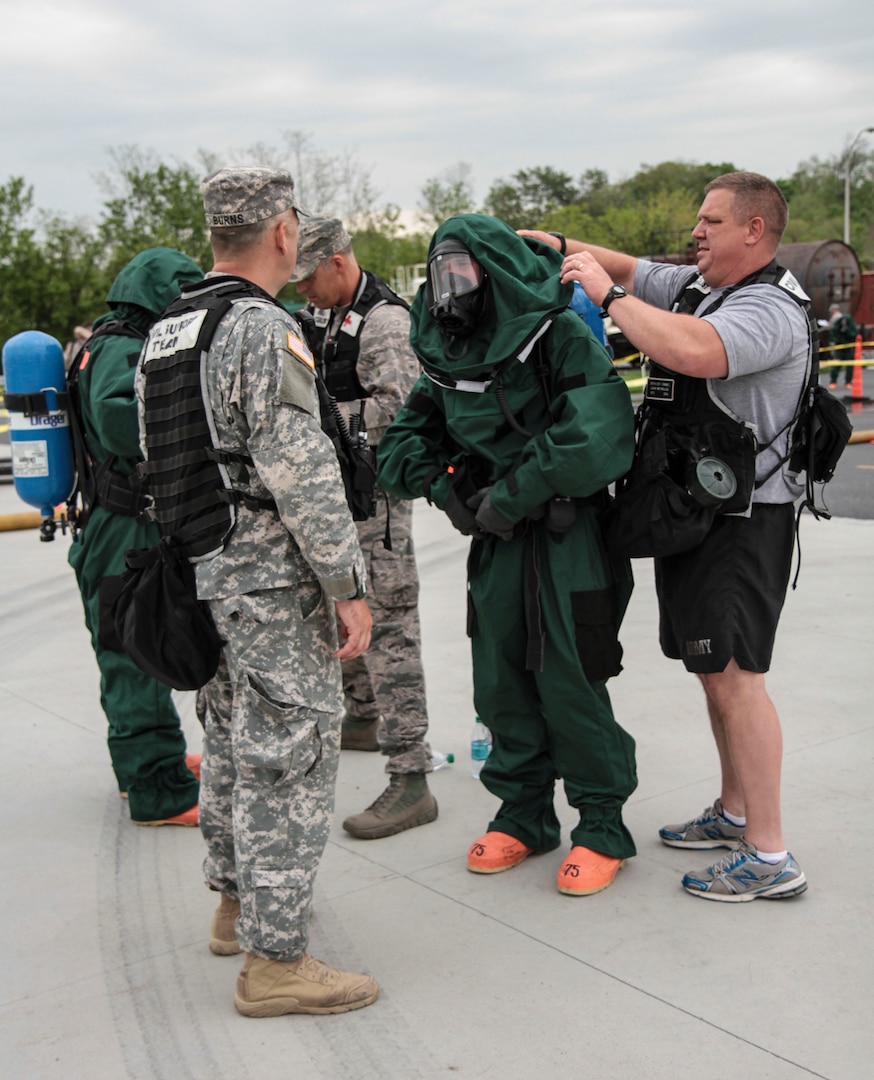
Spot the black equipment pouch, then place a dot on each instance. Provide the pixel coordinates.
(653, 512)
(357, 460)
(821, 436)
(160, 623)
(660, 507)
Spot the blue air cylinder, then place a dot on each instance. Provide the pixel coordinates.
(39, 427)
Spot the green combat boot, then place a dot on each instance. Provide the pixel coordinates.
(404, 804)
(359, 734)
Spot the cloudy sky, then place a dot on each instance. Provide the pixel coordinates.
(412, 88)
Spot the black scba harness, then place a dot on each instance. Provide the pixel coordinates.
(695, 459)
(97, 483)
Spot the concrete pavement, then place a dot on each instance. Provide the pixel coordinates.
(107, 974)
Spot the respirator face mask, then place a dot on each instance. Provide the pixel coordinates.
(456, 288)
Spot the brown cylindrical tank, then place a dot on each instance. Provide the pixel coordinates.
(827, 270)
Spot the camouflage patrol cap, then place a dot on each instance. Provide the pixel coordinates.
(247, 194)
(318, 239)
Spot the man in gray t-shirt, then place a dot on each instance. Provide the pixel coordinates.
(720, 602)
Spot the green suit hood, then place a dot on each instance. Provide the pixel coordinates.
(149, 282)
(525, 291)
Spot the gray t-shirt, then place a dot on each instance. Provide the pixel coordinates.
(766, 339)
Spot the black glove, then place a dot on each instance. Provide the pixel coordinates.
(461, 517)
(488, 518)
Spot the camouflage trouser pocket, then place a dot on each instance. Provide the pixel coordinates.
(277, 904)
(596, 629)
(277, 734)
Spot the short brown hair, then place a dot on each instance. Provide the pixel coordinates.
(755, 196)
(239, 239)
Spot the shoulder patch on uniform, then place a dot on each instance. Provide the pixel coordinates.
(352, 323)
(297, 348)
(790, 283)
(297, 384)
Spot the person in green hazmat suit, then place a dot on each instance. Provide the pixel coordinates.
(515, 428)
(146, 743)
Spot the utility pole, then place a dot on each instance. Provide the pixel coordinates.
(847, 166)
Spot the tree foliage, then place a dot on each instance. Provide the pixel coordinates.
(531, 195)
(446, 195)
(50, 269)
(55, 272)
(151, 204)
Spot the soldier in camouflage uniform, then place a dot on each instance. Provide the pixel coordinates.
(271, 743)
(360, 339)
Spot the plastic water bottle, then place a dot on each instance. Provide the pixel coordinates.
(480, 747)
(440, 761)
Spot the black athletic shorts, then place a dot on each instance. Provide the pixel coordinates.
(723, 598)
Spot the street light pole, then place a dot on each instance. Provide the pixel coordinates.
(847, 166)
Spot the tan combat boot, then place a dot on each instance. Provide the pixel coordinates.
(404, 804)
(223, 933)
(305, 985)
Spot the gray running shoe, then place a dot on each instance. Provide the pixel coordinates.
(711, 829)
(741, 875)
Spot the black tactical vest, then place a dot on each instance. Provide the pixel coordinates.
(337, 356)
(193, 483)
(681, 407)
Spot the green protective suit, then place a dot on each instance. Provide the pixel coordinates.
(544, 606)
(146, 743)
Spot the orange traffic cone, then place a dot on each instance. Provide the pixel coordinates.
(857, 387)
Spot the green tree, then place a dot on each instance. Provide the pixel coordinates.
(530, 196)
(333, 185)
(815, 193)
(672, 176)
(151, 204)
(446, 195)
(51, 275)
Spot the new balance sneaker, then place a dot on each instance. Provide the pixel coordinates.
(711, 829)
(741, 875)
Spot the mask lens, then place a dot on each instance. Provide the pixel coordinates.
(454, 273)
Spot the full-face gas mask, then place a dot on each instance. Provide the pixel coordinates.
(456, 289)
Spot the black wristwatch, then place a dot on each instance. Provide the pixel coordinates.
(562, 242)
(615, 292)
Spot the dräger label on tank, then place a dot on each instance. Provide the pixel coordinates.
(173, 334)
(24, 422)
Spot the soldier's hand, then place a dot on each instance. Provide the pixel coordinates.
(354, 622)
(462, 517)
(488, 517)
